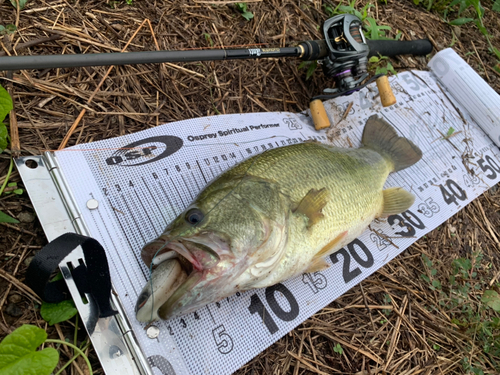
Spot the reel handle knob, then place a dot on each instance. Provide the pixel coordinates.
(318, 114)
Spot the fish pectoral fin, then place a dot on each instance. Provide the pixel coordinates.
(318, 265)
(329, 247)
(312, 204)
(396, 200)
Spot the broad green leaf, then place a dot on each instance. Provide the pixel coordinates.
(450, 131)
(374, 59)
(242, 7)
(3, 136)
(460, 21)
(22, 3)
(247, 15)
(58, 312)
(462, 263)
(18, 353)
(4, 218)
(5, 103)
(492, 299)
(496, 6)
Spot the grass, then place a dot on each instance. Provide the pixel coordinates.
(461, 298)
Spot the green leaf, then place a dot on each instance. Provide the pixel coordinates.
(3, 136)
(22, 3)
(481, 28)
(462, 263)
(242, 7)
(4, 218)
(247, 15)
(425, 278)
(5, 103)
(338, 349)
(496, 6)
(310, 70)
(496, 51)
(374, 59)
(460, 21)
(492, 299)
(58, 312)
(18, 353)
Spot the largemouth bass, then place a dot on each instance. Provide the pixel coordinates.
(272, 217)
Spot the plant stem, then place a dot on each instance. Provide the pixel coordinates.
(76, 330)
(71, 360)
(75, 348)
(7, 177)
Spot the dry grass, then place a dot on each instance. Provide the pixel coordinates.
(395, 322)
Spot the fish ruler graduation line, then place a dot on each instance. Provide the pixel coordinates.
(125, 198)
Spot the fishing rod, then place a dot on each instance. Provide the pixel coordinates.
(344, 47)
(343, 55)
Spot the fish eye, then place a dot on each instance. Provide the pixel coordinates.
(194, 216)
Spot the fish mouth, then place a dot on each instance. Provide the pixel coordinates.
(177, 267)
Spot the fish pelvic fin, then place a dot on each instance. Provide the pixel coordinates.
(318, 265)
(396, 200)
(329, 247)
(312, 204)
(381, 137)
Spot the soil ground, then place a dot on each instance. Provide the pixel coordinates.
(411, 326)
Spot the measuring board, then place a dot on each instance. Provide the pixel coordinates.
(138, 183)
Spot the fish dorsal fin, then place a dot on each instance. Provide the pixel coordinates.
(381, 137)
(318, 265)
(396, 200)
(312, 204)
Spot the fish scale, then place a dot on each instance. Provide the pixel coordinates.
(278, 214)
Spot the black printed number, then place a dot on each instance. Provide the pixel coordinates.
(257, 306)
(452, 192)
(407, 220)
(347, 274)
(492, 167)
(223, 341)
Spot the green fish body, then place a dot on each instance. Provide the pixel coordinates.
(275, 216)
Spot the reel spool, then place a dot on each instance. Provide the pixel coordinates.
(348, 50)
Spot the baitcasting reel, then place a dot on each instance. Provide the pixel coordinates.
(348, 52)
(343, 53)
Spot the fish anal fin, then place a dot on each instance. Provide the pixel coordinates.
(312, 204)
(396, 200)
(318, 265)
(327, 249)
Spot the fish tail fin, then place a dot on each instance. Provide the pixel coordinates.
(381, 137)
